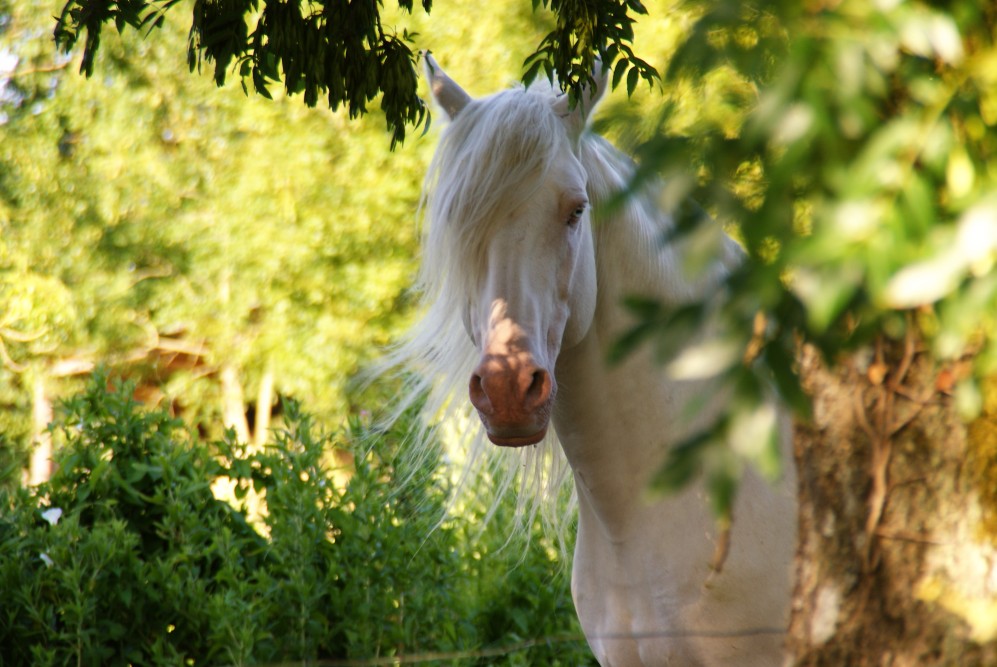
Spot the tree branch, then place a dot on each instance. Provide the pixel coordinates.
(45, 69)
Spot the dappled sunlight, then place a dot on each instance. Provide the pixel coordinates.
(232, 250)
(971, 249)
(269, 235)
(252, 502)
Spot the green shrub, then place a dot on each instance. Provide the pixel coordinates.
(126, 556)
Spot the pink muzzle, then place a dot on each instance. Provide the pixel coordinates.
(513, 396)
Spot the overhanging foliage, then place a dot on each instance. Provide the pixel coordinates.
(337, 49)
(342, 50)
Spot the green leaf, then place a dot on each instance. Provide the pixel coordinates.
(722, 486)
(618, 71)
(260, 83)
(826, 293)
(782, 363)
(683, 463)
(754, 435)
(633, 76)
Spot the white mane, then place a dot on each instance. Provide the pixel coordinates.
(490, 159)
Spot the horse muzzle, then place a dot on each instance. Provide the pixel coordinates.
(507, 438)
(513, 397)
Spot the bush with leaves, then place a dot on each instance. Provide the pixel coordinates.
(852, 149)
(127, 556)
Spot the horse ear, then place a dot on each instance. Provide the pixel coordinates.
(576, 116)
(450, 97)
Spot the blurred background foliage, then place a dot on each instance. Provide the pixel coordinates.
(163, 225)
(225, 250)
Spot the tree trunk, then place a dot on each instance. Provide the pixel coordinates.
(40, 467)
(233, 404)
(264, 403)
(897, 558)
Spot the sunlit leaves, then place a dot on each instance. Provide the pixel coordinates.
(861, 178)
(38, 316)
(863, 116)
(970, 250)
(585, 30)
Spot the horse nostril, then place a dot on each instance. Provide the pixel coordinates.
(476, 390)
(509, 393)
(539, 389)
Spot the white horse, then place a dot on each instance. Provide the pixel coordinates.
(523, 290)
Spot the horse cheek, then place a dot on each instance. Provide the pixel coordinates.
(581, 293)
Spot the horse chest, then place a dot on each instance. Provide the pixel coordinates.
(632, 595)
(650, 598)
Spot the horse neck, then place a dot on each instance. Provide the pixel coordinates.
(605, 415)
(616, 421)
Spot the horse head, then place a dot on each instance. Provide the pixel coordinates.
(510, 196)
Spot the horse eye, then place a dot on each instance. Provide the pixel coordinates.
(576, 215)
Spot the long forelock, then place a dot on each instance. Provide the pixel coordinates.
(490, 160)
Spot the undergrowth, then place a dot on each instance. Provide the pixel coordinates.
(126, 556)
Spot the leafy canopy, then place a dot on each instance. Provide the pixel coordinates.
(342, 50)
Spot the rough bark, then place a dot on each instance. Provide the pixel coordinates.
(896, 564)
